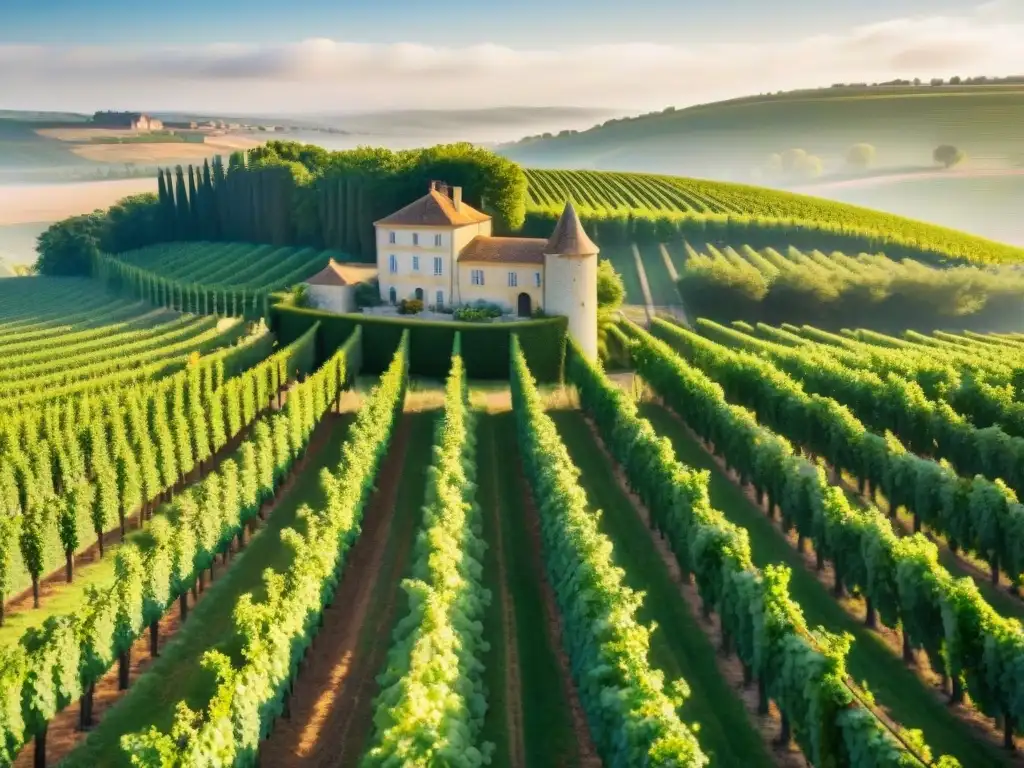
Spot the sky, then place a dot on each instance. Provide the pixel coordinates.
(337, 56)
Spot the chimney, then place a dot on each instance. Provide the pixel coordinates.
(457, 198)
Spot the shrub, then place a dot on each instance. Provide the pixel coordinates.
(410, 307)
(367, 294)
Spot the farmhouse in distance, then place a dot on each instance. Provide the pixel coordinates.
(132, 121)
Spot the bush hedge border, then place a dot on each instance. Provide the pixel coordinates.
(485, 346)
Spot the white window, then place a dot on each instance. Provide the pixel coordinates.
(437, 241)
(391, 237)
(393, 263)
(478, 277)
(415, 238)
(415, 263)
(440, 298)
(437, 265)
(536, 279)
(513, 279)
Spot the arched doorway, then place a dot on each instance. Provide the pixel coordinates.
(419, 294)
(393, 295)
(524, 305)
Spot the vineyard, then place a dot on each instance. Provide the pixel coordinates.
(777, 544)
(652, 208)
(234, 279)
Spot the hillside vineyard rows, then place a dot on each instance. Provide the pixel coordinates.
(171, 644)
(237, 532)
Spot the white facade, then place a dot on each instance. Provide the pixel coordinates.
(428, 251)
(333, 298)
(571, 290)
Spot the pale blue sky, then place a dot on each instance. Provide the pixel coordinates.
(268, 56)
(519, 23)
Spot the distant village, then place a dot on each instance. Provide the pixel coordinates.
(143, 123)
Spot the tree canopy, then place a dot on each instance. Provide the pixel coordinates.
(949, 155)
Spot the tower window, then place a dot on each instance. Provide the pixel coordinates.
(415, 263)
(437, 241)
(536, 279)
(393, 263)
(415, 238)
(438, 265)
(391, 237)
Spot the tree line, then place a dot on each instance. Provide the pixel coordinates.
(286, 193)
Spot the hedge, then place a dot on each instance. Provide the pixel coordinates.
(485, 347)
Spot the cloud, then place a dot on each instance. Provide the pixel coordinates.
(328, 75)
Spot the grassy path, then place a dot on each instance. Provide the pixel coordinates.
(332, 702)
(546, 728)
(679, 647)
(177, 674)
(896, 688)
(621, 258)
(663, 288)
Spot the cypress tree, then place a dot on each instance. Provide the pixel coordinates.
(193, 207)
(209, 205)
(220, 193)
(183, 218)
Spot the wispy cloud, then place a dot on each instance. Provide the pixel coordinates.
(322, 75)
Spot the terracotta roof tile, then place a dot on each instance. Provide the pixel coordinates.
(435, 209)
(504, 250)
(336, 273)
(569, 239)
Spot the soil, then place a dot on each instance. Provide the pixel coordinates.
(513, 691)
(729, 666)
(586, 754)
(332, 700)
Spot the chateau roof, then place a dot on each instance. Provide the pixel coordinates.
(338, 274)
(569, 239)
(503, 250)
(435, 209)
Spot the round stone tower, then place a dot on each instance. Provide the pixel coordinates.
(570, 279)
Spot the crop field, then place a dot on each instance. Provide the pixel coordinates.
(256, 547)
(669, 206)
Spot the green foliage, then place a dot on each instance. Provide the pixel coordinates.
(901, 578)
(649, 208)
(70, 246)
(367, 294)
(639, 724)
(485, 346)
(834, 291)
(436, 650)
(410, 307)
(276, 632)
(610, 289)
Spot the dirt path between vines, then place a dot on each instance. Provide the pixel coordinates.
(513, 691)
(332, 701)
(729, 665)
(586, 753)
(63, 735)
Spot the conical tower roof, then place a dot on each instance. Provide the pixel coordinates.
(569, 239)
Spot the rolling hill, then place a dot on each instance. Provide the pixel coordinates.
(730, 139)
